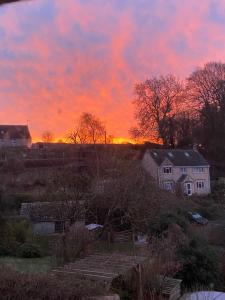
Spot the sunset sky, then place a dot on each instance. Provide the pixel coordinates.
(59, 58)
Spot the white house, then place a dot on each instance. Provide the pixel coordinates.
(178, 168)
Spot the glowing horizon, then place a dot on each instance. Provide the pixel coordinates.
(115, 140)
(61, 58)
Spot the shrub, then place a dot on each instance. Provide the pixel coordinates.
(29, 250)
(218, 192)
(162, 223)
(4, 250)
(200, 265)
(21, 230)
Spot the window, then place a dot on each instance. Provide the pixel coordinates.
(183, 170)
(59, 226)
(188, 188)
(198, 170)
(167, 170)
(200, 184)
(13, 142)
(168, 185)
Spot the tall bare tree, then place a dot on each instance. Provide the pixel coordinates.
(206, 91)
(156, 103)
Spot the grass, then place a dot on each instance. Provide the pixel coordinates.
(28, 265)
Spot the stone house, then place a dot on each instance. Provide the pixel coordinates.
(173, 169)
(15, 136)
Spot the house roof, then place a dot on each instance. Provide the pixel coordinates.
(51, 211)
(178, 157)
(14, 132)
(185, 178)
(182, 178)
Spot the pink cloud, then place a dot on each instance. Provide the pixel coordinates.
(60, 58)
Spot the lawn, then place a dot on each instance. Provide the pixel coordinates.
(32, 265)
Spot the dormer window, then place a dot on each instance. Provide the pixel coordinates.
(167, 170)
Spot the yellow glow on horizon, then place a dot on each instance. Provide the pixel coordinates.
(121, 140)
(116, 140)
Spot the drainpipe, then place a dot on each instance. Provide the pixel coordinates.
(158, 177)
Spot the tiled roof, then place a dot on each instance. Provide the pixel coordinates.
(178, 157)
(182, 178)
(14, 132)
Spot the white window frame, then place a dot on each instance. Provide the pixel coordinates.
(183, 170)
(167, 168)
(198, 170)
(188, 188)
(200, 184)
(168, 185)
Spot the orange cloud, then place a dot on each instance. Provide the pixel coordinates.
(61, 58)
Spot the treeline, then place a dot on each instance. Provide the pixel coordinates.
(180, 114)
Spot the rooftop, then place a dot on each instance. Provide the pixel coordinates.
(178, 157)
(14, 132)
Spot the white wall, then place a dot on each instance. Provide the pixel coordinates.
(44, 228)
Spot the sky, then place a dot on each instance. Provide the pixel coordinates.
(59, 58)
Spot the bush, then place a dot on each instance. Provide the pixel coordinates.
(200, 266)
(208, 208)
(162, 223)
(10, 203)
(218, 192)
(21, 230)
(29, 250)
(4, 250)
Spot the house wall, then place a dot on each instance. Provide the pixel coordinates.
(176, 174)
(15, 143)
(44, 228)
(157, 172)
(150, 166)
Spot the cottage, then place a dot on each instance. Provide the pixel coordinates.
(15, 136)
(173, 169)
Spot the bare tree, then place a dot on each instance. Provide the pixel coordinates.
(206, 91)
(202, 84)
(88, 130)
(156, 102)
(47, 137)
